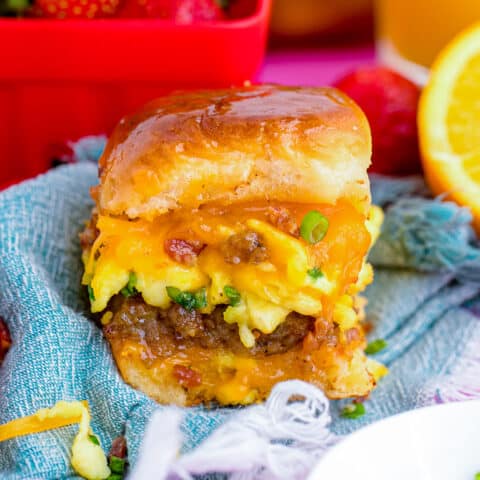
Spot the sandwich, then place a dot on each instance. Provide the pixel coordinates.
(228, 244)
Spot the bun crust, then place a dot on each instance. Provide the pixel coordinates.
(308, 145)
(160, 386)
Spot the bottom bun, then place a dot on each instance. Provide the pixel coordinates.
(159, 386)
(184, 366)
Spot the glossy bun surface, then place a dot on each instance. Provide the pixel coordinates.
(251, 144)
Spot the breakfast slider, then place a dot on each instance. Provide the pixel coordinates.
(228, 244)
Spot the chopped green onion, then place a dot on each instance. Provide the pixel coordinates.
(117, 464)
(353, 410)
(188, 300)
(201, 298)
(94, 439)
(129, 289)
(232, 294)
(115, 476)
(376, 346)
(315, 273)
(184, 299)
(91, 293)
(314, 227)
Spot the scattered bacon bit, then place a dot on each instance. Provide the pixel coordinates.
(352, 335)
(119, 447)
(281, 218)
(186, 376)
(5, 339)
(325, 331)
(367, 327)
(183, 251)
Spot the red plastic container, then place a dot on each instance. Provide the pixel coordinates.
(63, 79)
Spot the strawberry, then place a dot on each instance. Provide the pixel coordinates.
(75, 8)
(184, 11)
(390, 103)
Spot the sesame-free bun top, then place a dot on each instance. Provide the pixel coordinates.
(251, 144)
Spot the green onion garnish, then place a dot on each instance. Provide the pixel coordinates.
(201, 298)
(184, 299)
(94, 439)
(376, 346)
(315, 273)
(91, 293)
(188, 300)
(314, 227)
(129, 289)
(115, 476)
(117, 464)
(353, 410)
(232, 294)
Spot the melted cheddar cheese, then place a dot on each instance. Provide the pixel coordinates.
(269, 290)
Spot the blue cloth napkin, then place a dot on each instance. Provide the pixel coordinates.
(428, 268)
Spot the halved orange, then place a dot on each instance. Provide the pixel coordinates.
(449, 122)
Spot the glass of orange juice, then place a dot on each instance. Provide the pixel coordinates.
(410, 33)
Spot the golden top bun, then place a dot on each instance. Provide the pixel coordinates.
(307, 145)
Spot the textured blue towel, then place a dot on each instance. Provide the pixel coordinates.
(58, 353)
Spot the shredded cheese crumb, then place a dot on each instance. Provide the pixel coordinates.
(376, 369)
(106, 318)
(88, 459)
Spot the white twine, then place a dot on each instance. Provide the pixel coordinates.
(462, 383)
(281, 439)
(160, 445)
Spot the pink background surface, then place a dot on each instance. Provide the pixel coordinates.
(313, 67)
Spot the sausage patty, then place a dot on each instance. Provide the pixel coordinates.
(135, 320)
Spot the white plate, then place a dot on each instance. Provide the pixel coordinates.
(434, 443)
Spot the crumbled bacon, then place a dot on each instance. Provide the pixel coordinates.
(325, 333)
(281, 218)
(118, 448)
(323, 328)
(367, 327)
(352, 335)
(183, 251)
(5, 339)
(187, 376)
